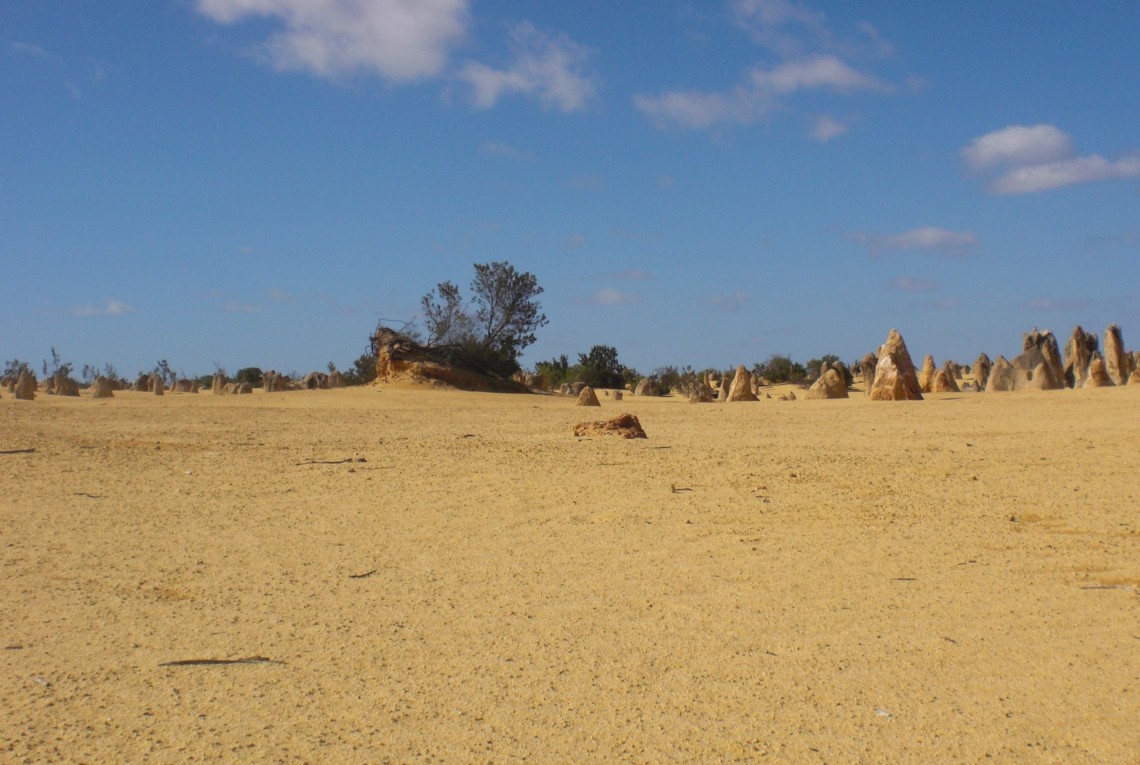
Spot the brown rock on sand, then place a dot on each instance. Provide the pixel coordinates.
(830, 385)
(142, 383)
(102, 388)
(867, 369)
(587, 398)
(218, 384)
(926, 375)
(1134, 378)
(336, 379)
(703, 393)
(944, 381)
(1078, 352)
(741, 388)
(156, 385)
(25, 388)
(725, 385)
(618, 395)
(982, 367)
(895, 378)
(1043, 379)
(245, 387)
(624, 425)
(1001, 377)
(1117, 361)
(1098, 373)
(1039, 347)
(66, 386)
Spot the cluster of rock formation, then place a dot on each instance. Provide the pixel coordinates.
(890, 374)
(1041, 365)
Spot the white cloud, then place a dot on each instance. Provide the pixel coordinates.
(27, 49)
(109, 308)
(925, 239)
(825, 128)
(1017, 145)
(586, 183)
(505, 150)
(551, 69)
(234, 306)
(779, 25)
(729, 303)
(278, 295)
(400, 40)
(611, 296)
(1040, 158)
(912, 284)
(1054, 175)
(759, 98)
(693, 110)
(1048, 304)
(812, 73)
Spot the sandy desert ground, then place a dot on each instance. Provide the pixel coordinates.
(453, 577)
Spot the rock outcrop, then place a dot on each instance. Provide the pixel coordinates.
(867, 370)
(156, 385)
(273, 381)
(741, 388)
(644, 387)
(1098, 373)
(624, 425)
(101, 388)
(1002, 377)
(587, 397)
(142, 383)
(1037, 348)
(981, 369)
(1078, 353)
(830, 385)
(398, 357)
(945, 380)
(25, 387)
(895, 376)
(218, 384)
(926, 374)
(1117, 361)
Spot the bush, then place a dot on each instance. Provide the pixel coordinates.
(781, 369)
(601, 368)
(251, 375)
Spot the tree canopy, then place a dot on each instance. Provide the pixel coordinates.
(501, 322)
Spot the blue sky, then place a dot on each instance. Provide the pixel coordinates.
(258, 182)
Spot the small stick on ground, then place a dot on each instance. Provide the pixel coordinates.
(365, 575)
(17, 451)
(212, 662)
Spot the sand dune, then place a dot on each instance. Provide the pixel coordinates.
(453, 577)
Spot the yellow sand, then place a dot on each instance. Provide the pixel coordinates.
(953, 580)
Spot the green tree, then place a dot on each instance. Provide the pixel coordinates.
(601, 368)
(251, 375)
(556, 371)
(506, 316)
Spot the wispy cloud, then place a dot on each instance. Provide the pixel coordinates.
(761, 95)
(1037, 158)
(632, 275)
(399, 40)
(28, 49)
(1054, 175)
(109, 308)
(505, 150)
(586, 183)
(611, 296)
(234, 306)
(1017, 145)
(912, 284)
(726, 303)
(927, 239)
(788, 27)
(576, 241)
(550, 68)
(825, 128)
(1065, 306)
